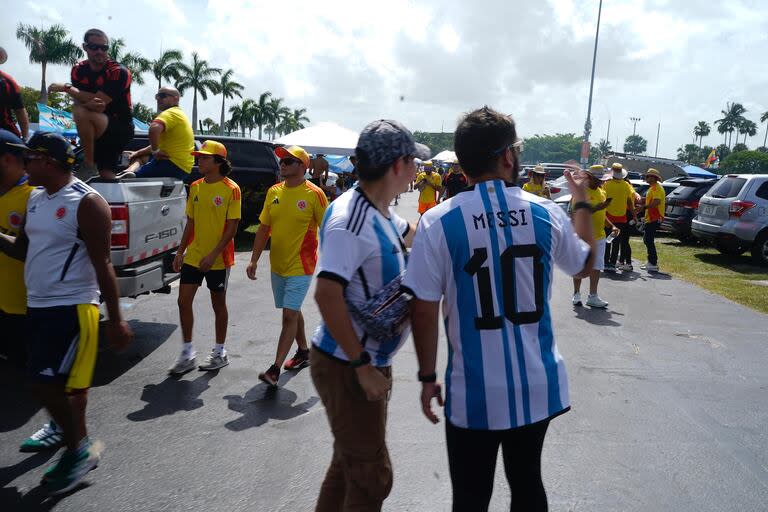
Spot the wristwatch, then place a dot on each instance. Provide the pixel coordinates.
(581, 204)
(432, 377)
(363, 359)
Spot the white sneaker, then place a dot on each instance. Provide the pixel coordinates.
(214, 362)
(594, 301)
(576, 301)
(626, 267)
(183, 365)
(652, 268)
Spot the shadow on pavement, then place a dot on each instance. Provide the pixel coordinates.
(620, 276)
(171, 396)
(262, 403)
(596, 316)
(148, 336)
(10, 473)
(19, 405)
(36, 499)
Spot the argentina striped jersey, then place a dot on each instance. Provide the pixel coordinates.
(361, 249)
(488, 253)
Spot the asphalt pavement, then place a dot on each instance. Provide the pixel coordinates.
(669, 390)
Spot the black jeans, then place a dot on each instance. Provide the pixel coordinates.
(649, 239)
(621, 243)
(472, 461)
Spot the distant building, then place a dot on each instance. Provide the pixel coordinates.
(667, 167)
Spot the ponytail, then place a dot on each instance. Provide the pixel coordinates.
(225, 167)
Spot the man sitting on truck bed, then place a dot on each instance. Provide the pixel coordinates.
(171, 142)
(213, 213)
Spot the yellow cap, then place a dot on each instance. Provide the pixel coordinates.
(654, 172)
(295, 151)
(598, 171)
(212, 147)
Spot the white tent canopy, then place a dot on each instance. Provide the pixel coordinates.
(445, 156)
(323, 138)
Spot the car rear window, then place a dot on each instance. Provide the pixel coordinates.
(249, 154)
(762, 192)
(683, 192)
(727, 187)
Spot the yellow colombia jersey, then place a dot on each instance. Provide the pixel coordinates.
(210, 205)
(177, 141)
(595, 197)
(13, 207)
(533, 188)
(620, 192)
(429, 193)
(293, 215)
(656, 191)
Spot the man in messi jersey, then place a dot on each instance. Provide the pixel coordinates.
(363, 250)
(207, 251)
(65, 244)
(293, 211)
(489, 254)
(101, 91)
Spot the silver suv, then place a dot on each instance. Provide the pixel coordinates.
(733, 215)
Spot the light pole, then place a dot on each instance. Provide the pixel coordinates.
(588, 123)
(635, 120)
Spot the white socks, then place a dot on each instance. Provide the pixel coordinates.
(218, 350)
(187, 350)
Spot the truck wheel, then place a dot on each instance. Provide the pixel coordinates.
(728, 250)
(760, 249)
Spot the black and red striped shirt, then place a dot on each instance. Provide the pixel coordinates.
(10, 100)
(114, 80)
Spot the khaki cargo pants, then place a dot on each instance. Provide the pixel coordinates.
(360, 476)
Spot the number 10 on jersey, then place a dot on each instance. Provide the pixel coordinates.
(477, 268)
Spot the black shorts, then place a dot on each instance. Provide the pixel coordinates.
(62, 344)
(13, 337)
(111, 144)
(216, 280)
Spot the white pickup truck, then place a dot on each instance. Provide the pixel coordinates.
(147, 223)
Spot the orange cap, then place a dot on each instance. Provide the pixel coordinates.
(212, 147)
(293, 151)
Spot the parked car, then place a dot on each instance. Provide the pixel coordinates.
(733, 216)
(682, 203)
(554, 171)
(254, 168)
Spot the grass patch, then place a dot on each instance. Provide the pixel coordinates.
(729, 276)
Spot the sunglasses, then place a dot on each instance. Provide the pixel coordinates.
(163, 95)
(516, 147)
(93, 47)
(289, 161)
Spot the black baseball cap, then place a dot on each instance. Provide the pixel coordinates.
(384, 141)
(52, 145)
(10, 143)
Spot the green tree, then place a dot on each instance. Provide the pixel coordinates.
(208, 124)
(635, 145)
(48, 46)
(276, 111)
(30, 97)
(259, 110)
(723, 151)
(745, 162)
(135, 63)
(238, 115)
(701, 130)
(732, 116)
(689, 153)
(551, 148)
(739, 147)
(143, 113)
(166, 67)
(604, 147)
(199, 77)
(747, 128)
(763, 119)
(298, 115)
(436, 142)
(228, 88)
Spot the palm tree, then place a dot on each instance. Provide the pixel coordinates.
(747, 128)
(200, 78)
(135, 62)
(48, 46)
(260, 110)
(730, 121)
(604, 147)
(287, 124)
(238, 115)
(298, 115)
(228, 88)
(167, 66)
(701, 130)
(208, 123)
(274, 113)
(764, 118)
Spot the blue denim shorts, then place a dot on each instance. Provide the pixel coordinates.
(289, 291)
(161, 168)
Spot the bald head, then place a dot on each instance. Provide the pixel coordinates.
(167, 97)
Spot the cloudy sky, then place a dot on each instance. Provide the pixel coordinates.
(673, 62)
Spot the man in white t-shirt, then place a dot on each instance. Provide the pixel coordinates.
(489, 254)
(362, 249)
